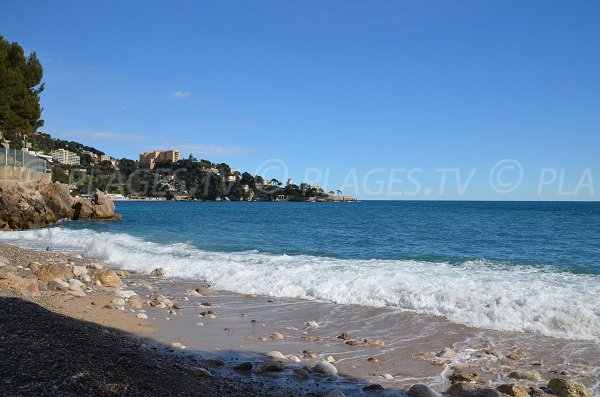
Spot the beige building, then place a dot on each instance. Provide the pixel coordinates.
(65, 157)
(157, 156)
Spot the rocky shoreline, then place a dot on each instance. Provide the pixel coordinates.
(72, 326)
(31, 204)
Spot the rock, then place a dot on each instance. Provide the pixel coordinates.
(100, 207)
(177, 345)
(526, 375)
(135, 302)
(79, 271)
(158, 272)
(446, 352)
(42, 285)
(311, 324)
(373, 360)
(75, 285)
(214, 362)
(200, 372)
(23, 286)
(301, 373)
(272, 366)
(335, 393)
(34, 266)
(277, 336)
(51, 272)
(78, 293)
(143, 316)
(274, 354)
(351, 342)
(122, 273)
(177, 306)
(513, 390)
(118, 302)
(126, 294)
(244, 367)
(57, 285)
(344, 336)
(375, 342)
(458, 377)
(373, 387)
(204, 291)
(567, 388)
(323, 367)
(387, 376)
(30, 204)
(470, 390)
(108, 278)
(420, 390)
(330, 359)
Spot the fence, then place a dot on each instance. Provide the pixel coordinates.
(21, 159)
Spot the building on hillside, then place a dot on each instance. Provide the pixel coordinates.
(105, 158)
(66, 157)
(157, 156)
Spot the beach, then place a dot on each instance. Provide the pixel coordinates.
(197, 340)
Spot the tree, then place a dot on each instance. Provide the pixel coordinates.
(20, 87)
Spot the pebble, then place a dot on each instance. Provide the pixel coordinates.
(446, 352)
(135, 302)
(471, 390)
(274, 354)
(78, 293)
(142, 315)
(126, 294)
(420, 390)
(336, 393)
(244, 367)
(301, 373)
(277, 336)
(118, 302)
(200, 372)
(330, 359)
(177, 345)
(323, 367)
(312, 324)
(373, 387)
(526, 375)
(272, 366)
(387, 376)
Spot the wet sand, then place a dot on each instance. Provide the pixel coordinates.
(216, 331)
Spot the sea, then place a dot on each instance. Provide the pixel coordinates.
(529, 267)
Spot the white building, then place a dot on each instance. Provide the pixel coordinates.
(66, 157)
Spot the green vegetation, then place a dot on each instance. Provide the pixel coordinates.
(20, 87)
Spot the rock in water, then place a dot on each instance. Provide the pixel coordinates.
(421, 391)
(567, 388)
(526, 375)
(108, 278)
(323, 367)
(272, 366)
(158, 272)
(513, 390)
(100, 207)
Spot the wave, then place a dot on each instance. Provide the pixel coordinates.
(476, 293)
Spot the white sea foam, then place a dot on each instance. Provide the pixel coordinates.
(475, 293)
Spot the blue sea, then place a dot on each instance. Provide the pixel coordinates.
(512, 266)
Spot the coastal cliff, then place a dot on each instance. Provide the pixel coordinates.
(31, 204)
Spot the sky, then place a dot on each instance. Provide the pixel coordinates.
(443, 100)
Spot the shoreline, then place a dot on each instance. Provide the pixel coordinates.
(240, 329)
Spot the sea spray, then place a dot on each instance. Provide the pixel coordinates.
(477, 293)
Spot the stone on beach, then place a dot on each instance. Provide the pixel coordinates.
(274, 354)
(126, 294)
(143, 316)
(118, 302)
(244, 367)
(420, 390)
(301, 373)
(471, 390)
(335, 393)
(277, 336)
(52, 271)
(532, 376)
(567, 388)
(200, 372)
(311, 324)
(135, 302)
(446, 352)
(324, 367)
(23, 286)
(272, 366)
(513, 390)
(373, 387)
(79, 271)
(108, 278)
(158, 272)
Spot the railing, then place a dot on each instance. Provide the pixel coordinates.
(19, 158)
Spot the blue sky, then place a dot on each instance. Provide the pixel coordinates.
(385, 99)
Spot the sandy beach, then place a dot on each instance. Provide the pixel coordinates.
(71, 327)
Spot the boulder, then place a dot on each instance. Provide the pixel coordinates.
(324, 367)
(53, 271)
(99, 207)
(513, 390)
(567, 388)
(23, 286)
(158, 272)
(471, 390)
(420, 390)
(108, 278)
(532, 376)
